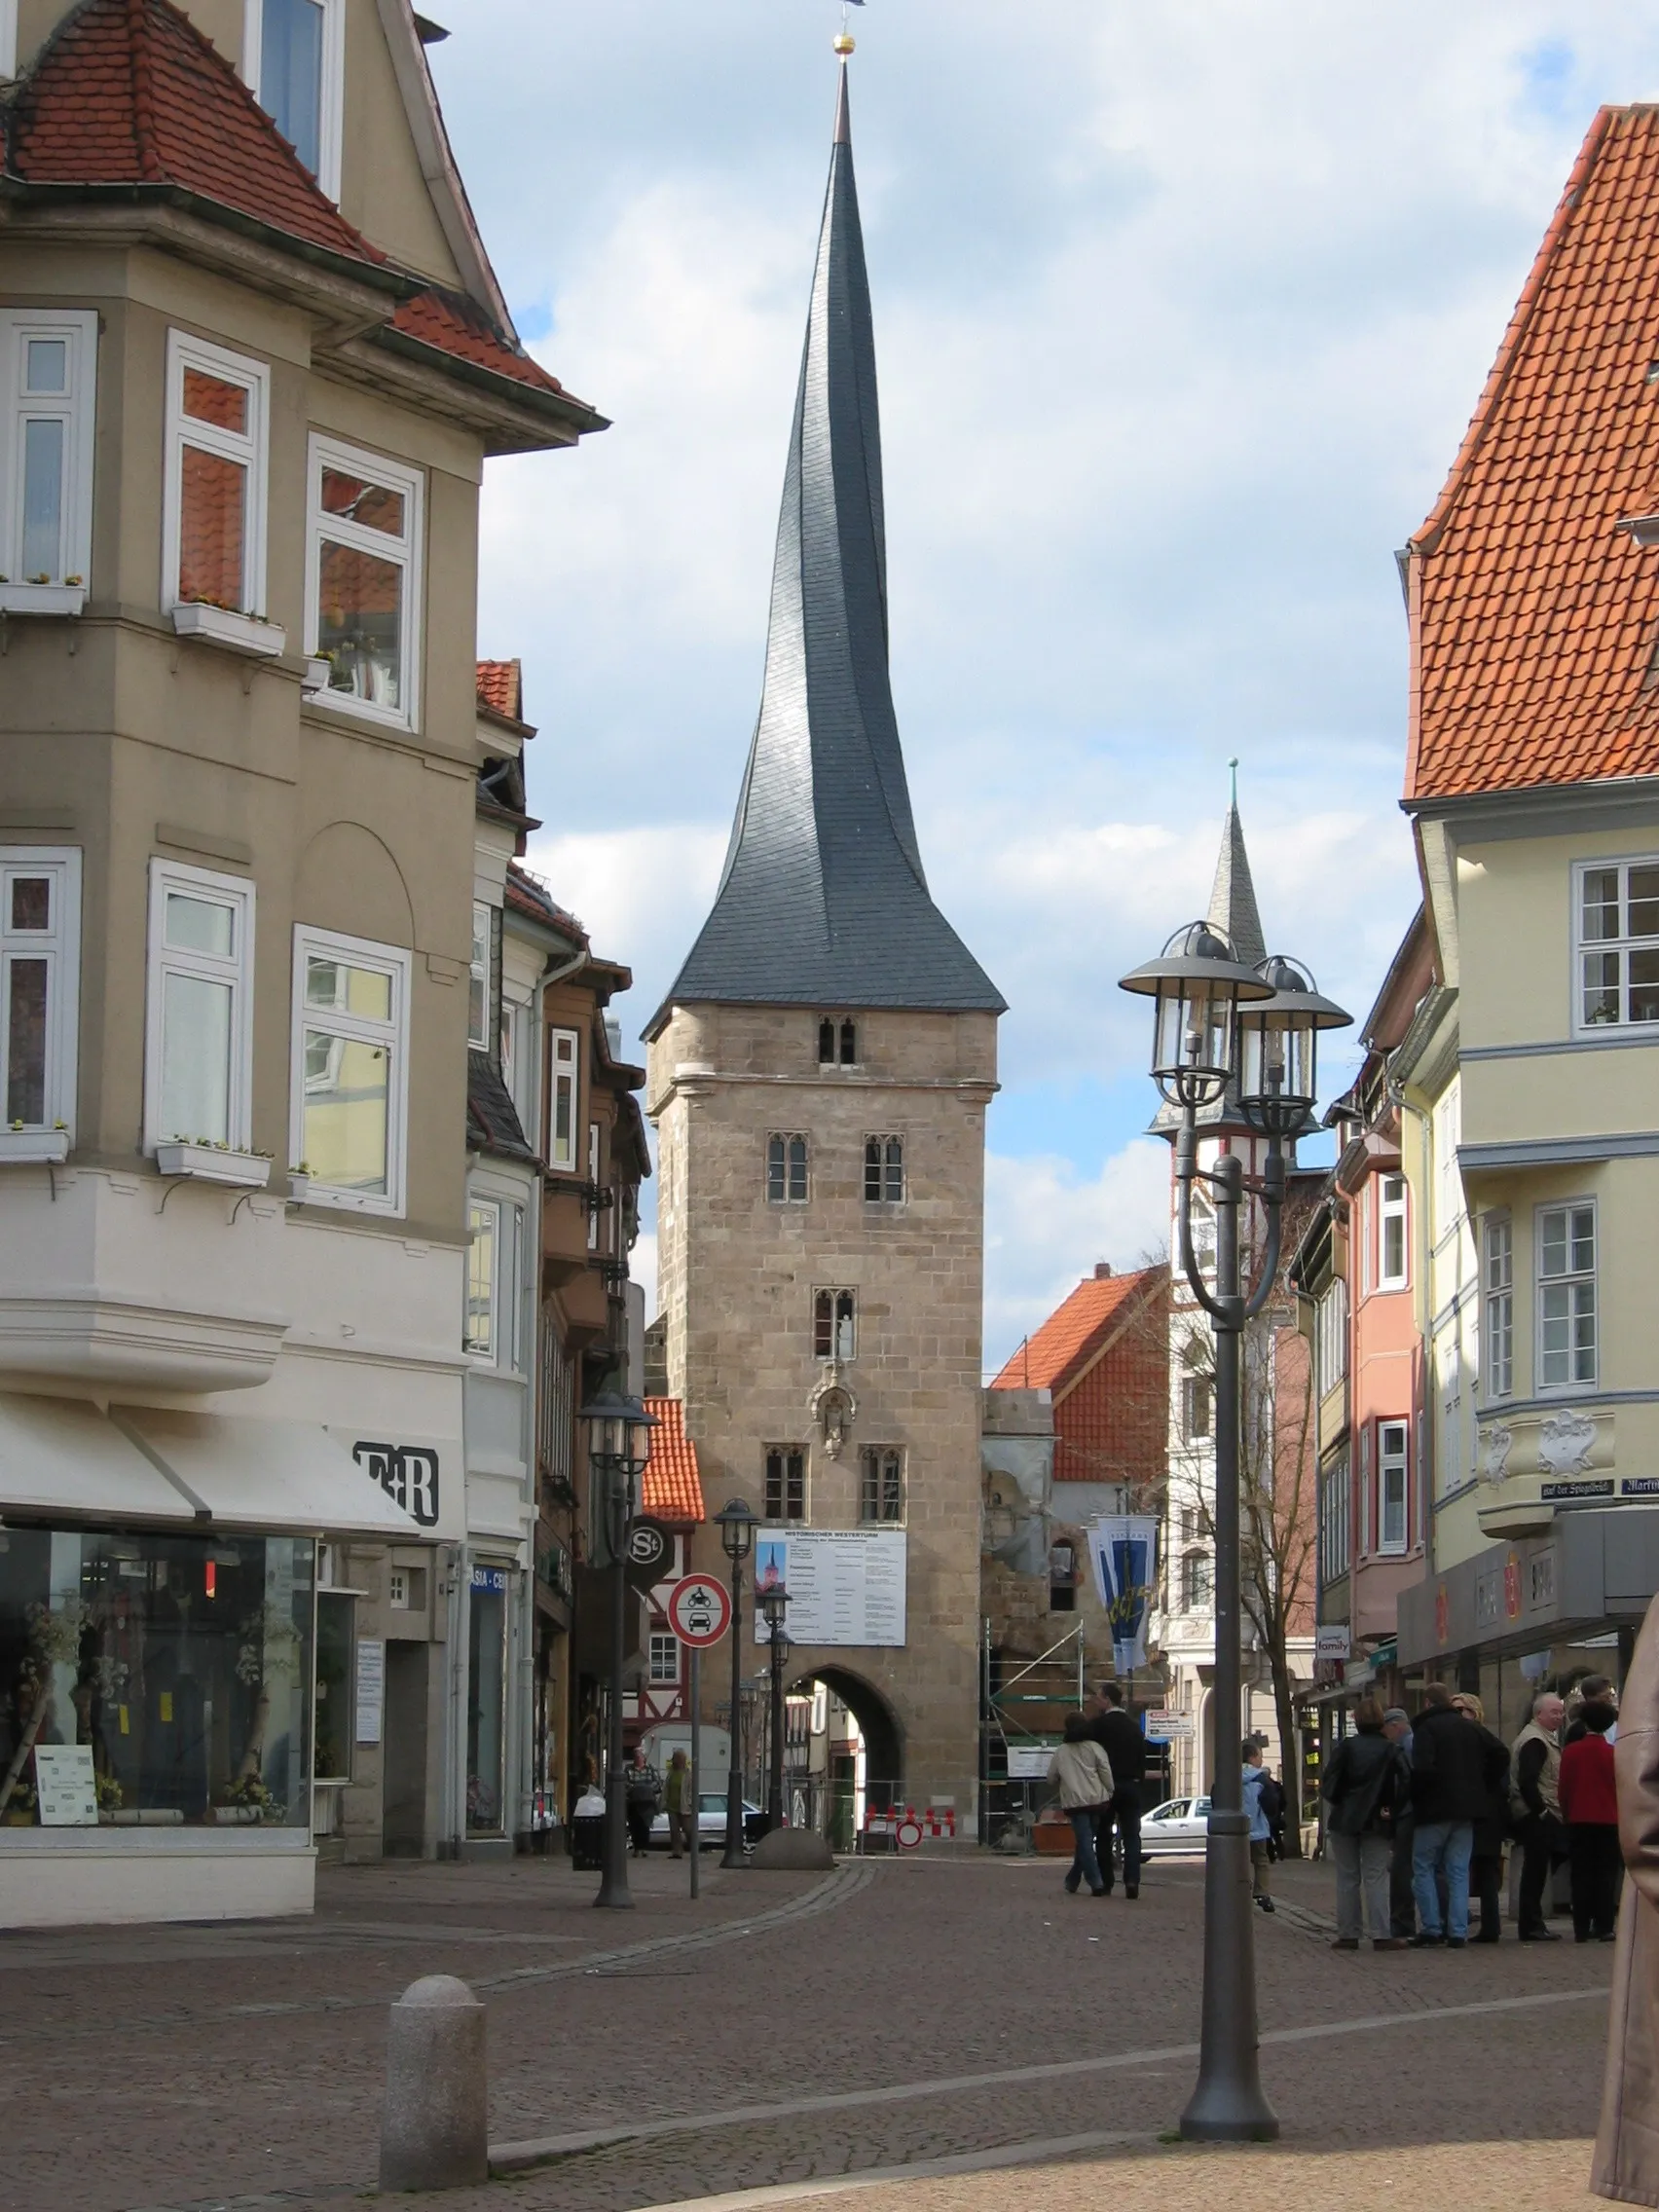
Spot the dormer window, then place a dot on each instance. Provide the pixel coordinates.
(294, 59)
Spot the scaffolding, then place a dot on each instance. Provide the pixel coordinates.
(1023, 1703)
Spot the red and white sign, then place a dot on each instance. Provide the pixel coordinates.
(699, 1611)
(908, 1833)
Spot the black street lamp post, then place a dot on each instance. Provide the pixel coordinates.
(774, 1603)
(619, 1440)
(1222, 1026)
(737, 1521)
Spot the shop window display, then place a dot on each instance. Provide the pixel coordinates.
(183, 1661)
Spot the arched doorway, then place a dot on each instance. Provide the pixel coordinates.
(854, 1757)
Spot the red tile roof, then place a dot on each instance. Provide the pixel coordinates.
(130, 91)
(530, 898)
(1071, 1336)
(454, 325)
(1533, 616)
(500, 688)
(673, 1486)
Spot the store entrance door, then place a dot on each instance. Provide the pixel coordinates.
(403, 1814)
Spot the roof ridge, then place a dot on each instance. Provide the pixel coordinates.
(143, 91)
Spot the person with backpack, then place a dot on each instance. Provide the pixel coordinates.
(1366, 1784)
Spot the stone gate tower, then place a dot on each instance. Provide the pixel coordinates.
(818, 1077)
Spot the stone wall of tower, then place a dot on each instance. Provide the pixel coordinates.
(737, 1278)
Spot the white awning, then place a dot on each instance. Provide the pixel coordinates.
(60, 1456)
(284, 1476)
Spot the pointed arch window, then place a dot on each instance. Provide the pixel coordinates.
(834, 1324)
(785, 1169)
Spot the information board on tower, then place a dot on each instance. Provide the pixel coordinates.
(845, 1585)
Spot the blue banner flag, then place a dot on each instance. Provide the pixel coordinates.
(1123, 1549)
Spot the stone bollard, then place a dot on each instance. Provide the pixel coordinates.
(433, 2128)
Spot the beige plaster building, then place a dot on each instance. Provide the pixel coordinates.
(819, 1076)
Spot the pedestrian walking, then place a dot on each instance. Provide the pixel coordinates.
(677, 1798)
(643, 1800)
(1120, 1736)
(1083, 1775)
(1255, 1775)
(1627, 2143)
(1366, 1784)
(1272, 1805)
(1491, 1828)
(1590, 1808)
(1402, 1898)
(1535, 1800)
(1454, 1770)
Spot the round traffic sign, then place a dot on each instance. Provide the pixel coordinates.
(699, 1612)
(908, 1835)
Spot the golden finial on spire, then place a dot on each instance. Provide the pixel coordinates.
(845, 43)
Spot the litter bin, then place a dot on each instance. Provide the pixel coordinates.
(587, 1834)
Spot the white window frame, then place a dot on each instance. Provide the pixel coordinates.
(250, 452)
(1336, 1549)
(1393, 1487)
(664, 1647)
(480, 971)
(563, 1158)
(488, 1352)
(1621, 946)
(1497, 1306)
(331, 107)
(77, 409)
(59, 946)
(1572, 1277)
(238, 971)
(395, 476)
(394, 961)
(1388, 1210)
(1331, 1336)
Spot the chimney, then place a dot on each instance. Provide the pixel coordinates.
(1102, 1271)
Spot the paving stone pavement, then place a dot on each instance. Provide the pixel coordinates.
(891, 2015)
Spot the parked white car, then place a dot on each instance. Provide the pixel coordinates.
(1180, 1824)
(711, 1822)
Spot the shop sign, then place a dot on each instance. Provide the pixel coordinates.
(491, 1578)
(1603, 1488)
(1167, 1727)
(1334, 1642)
(1639, 1486)
(68, 1788)
(650, 1554)
(408, 1473)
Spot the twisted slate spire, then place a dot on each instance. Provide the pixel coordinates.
(822, 901)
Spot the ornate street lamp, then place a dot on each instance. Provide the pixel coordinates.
(1220, 1025)
(618, 1444)
(774, 1603)
(737, 1521)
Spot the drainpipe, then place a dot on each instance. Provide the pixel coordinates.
(1422, 1295)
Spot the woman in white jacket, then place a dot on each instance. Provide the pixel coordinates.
(1084, 1774)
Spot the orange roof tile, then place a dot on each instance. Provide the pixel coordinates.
(500, 688)
(130, 91)
(673, 1487)
(1073, 1332)
(1533, 616)
(454, 326)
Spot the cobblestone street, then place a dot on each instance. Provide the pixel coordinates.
(934, 2013)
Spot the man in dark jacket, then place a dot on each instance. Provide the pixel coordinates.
(1118, 1736)
(1454, 1773)
(1402, 1898)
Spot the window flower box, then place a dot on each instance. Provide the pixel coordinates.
(298, 1187)
(213, 1163)
(319, 676)
(50, 1145)
(236, 633)
(42, 599)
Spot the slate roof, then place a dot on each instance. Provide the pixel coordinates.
(529, 897)
(491, 1118)
(1533, 616)
(822, 901)
(129, 98)
(1071, 1336)
(673, 1488)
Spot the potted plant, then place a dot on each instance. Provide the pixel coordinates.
(55, 1640)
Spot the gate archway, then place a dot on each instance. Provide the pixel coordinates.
(858, 1767)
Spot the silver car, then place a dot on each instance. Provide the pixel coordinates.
(1180, 1824)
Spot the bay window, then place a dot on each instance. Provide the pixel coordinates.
(213, 490)
(484, 1239)
(478, 980)
(1391, 1234)
(351, 1055)
(47, 375)
(1497, 1291)
(363, 580)
(198, 1028)
(40, 917)
(1393, 1510)
(563, 1054)
(1566, 1296)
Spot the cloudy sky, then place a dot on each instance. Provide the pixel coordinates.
(1181, 309)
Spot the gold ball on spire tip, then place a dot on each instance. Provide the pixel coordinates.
(845, 43)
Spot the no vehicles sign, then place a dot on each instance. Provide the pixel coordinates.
(699, 1612)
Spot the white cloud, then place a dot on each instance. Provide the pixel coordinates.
(642, 893)
(643, 1268)
(1046, 1227)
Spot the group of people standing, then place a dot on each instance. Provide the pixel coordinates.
(1100, 1770)
(1417, 1816)
(650, 1793)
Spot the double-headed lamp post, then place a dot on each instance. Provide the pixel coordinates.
(618, 1446)
(737, 1521)
(774, 1603)
(1221, 1025)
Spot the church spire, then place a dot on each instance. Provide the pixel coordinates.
(1233, 896)
(822, 901)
